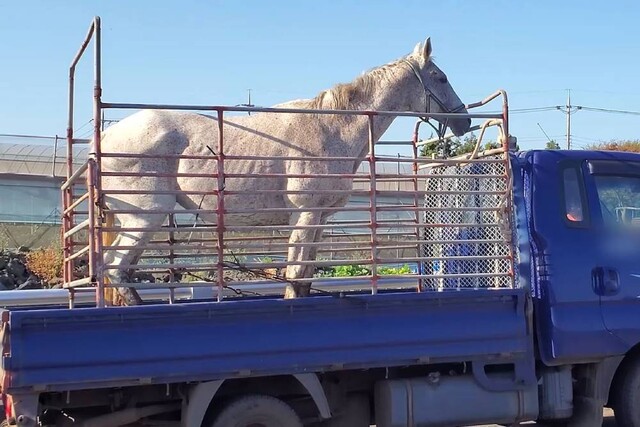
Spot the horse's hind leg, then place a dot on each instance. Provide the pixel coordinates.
(302, 253)
(133, 241)
(313, 251)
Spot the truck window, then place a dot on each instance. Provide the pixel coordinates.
(573, 200)
(619, 198)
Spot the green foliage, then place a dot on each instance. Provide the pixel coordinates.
(360, 270)
(632, 146)
(455, 147)
(405, 269)
(347, 270)
(552, 145)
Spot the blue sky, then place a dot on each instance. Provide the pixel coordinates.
(211, 52)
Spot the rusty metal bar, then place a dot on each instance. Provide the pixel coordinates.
(220, 207)
(218, 108)
(77, 254)
(276, 192)
(75, 204)
(373, 205)
(82, 225)
(78, 282)
(75, 175)
(91, 224)
(172, 257)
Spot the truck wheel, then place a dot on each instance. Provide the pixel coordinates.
(257, 411)
(627, 395)
(354, 414)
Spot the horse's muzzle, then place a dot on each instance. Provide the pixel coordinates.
(460, 126)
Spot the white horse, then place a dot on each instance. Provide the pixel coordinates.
(411, 83)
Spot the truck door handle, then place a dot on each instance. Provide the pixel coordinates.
(606, 281)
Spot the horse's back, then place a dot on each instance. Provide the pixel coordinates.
(146, 131)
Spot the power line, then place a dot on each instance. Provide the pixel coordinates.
(524, 110)
(607, 110)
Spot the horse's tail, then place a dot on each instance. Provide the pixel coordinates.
(111, 296)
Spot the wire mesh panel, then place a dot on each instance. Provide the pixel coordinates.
(466, 235)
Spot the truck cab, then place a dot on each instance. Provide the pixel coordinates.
(584, 235)
(585, 241)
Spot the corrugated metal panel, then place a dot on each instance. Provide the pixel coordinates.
(35, 159)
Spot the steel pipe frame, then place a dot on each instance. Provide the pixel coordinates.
(316, 263)
(94, 175)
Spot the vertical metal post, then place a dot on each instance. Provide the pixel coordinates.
(220, 200)
(568, 119)
(55, 156)
(416, 130)
(67, 193)
(90, 179)
(94, 170)
(508, 172)
(172, 275)
(372, 206)
(505, 122)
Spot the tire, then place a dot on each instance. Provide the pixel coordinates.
(355, 413)
(257, 411)
(627, 396)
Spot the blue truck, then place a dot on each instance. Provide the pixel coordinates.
(559, 347)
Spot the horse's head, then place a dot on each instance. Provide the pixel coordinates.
(439, 96)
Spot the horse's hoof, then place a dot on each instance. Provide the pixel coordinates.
(129, 296)
(297, 291)
(290, 293)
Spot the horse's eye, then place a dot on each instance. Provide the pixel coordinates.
(438, 76)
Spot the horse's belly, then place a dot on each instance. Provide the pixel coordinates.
(256, 219)
(243, 209)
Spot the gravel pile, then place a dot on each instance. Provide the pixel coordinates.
(14, 273)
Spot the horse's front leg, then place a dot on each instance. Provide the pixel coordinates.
(299, 252)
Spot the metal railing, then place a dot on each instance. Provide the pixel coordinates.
(388, 230)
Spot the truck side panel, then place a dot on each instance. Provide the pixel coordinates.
(84, 348)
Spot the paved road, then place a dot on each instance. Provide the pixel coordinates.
(609, 421)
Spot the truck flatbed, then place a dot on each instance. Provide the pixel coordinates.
(67, 349)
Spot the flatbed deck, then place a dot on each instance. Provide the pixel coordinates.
(66, 349)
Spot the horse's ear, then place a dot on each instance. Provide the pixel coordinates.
(426, 49)
(417, 51)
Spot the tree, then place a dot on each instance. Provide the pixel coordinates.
(455, 147)
(552, 145)
(617, 145)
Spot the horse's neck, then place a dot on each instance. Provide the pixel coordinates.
(395, 90)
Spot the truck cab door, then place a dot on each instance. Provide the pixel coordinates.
(614, 188)
(568, 315)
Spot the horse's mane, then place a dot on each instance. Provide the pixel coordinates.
(342, 96)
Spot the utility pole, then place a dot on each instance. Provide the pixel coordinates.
(568, 119)
(248, 104)
(568, 110)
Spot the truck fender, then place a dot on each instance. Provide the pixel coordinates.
(313, 386)
(591, 392)
(199, 399)
(201, 395)
(595, 379)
